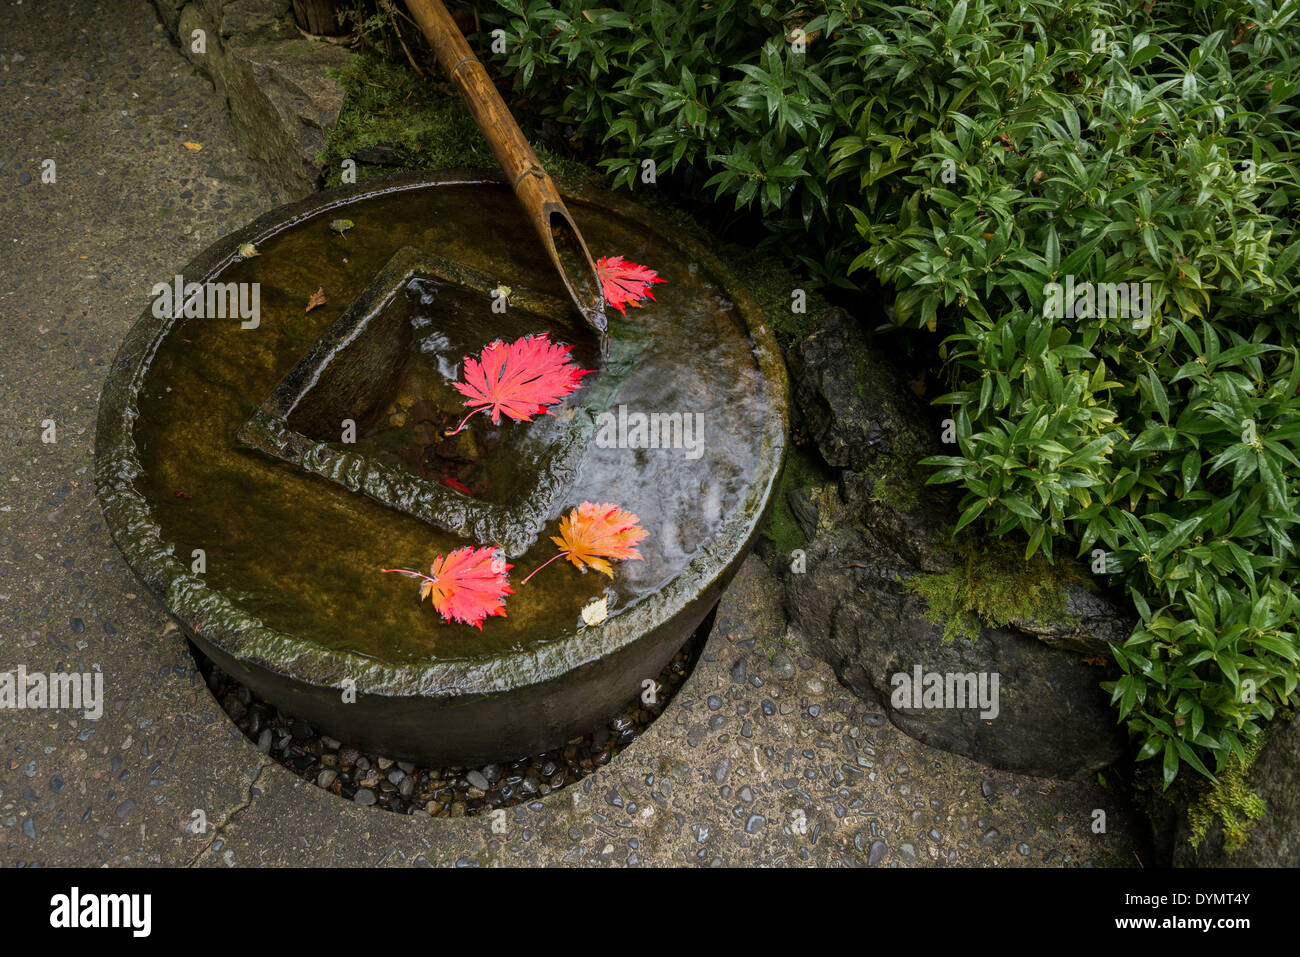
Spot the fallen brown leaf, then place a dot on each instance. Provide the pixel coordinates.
(317, 299)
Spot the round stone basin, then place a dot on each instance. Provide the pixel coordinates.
(258, 471)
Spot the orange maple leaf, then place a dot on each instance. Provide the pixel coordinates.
(625, 282)
(592, 533)
(468, 585)
(520, 379)
(317, 299)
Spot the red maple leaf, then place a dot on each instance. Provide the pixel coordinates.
(592, 533)
(624, 282)
(468, 585)
(520, 379)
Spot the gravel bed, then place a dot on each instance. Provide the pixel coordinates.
(402, 787)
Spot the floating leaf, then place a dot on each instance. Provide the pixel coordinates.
(317, 299)
(468, 585)
(248, 251)
(341, 226)
(590, 534)
(520, 379)
(625, 282)
(593, 613)
(192, 147)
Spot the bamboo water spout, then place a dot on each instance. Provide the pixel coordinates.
(532, 185)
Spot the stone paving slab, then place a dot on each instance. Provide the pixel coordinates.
(762, 758)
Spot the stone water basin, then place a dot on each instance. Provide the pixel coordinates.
(257, 475)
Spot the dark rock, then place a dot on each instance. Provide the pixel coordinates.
(804, 508)
(1091, 625)
(879, 526)
(877, 853)
(281, 104)
(281, 98)
(853, 406)
(379, 154)
(1052, 720)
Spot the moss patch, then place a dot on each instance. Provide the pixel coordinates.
(1230, 801)
(423, 124)
(782, 531)
(993, 586)
(773, 288)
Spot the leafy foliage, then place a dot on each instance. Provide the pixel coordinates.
(467, 585)
(968, 155)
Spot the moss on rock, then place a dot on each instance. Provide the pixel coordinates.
(1230, 801)
(782, 531)
(993, 586)
(413, 123)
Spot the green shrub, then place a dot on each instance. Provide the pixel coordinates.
(968, 155)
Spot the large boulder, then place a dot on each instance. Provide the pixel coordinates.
(1048, 716)
(878, 528)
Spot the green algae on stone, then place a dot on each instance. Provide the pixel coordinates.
(803, 469)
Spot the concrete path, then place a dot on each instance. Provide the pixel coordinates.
(762, 758)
